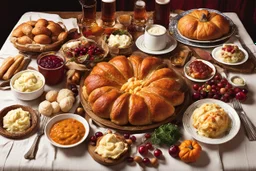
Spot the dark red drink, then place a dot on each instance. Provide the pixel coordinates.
(162, 13)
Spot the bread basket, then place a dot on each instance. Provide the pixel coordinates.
(36, 47)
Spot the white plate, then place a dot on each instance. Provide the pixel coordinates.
(171, 45)
(60, 117)
(188, 122)
(216, 56)
(186, 67)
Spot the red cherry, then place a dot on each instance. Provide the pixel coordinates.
(98, 134)
(174, 150)
(133, 138)
(147, 135)
(146, 160)
(245, 91)
(126, 135)
(143, 150)
(157, 153)
(240, 96)
(149, 146)
(93, 138)
(196, 87)
(237, 89)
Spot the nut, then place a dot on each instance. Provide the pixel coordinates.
(80, 111)
(137, 159)
(154, 161)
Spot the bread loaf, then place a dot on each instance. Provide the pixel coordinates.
(203, 25)
(134, 90)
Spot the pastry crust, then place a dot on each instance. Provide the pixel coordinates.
(134, 90)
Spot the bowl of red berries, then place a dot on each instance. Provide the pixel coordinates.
(52, 65)
(82, 53)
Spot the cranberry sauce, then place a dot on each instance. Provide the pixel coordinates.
(51, 61)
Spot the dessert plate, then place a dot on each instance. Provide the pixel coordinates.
(171, 45)
(188, 122)
(186, 67)
(216, 56)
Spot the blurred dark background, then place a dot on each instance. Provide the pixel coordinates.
(11, 11)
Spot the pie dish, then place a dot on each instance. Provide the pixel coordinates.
(19, 135)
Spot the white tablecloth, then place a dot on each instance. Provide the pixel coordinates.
(237, 154)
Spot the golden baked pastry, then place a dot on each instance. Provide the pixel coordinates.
(203, 25)
(211, 120)
(133, 90)
(39, 36)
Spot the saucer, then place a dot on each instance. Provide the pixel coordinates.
(171, 45)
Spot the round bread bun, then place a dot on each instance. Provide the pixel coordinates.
(41, 23)
(56, 29)
(51, 95)
(42, 39)
(24, 40)
(45, 108)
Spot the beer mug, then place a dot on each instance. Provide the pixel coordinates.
(162, 13)
(108, 9)
(89, 11)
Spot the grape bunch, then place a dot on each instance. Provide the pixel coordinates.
(84, 53)
(218, 88)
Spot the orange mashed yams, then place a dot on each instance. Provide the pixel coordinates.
(67, 131)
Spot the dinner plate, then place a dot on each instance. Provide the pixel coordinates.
(216, 55)
(188, 122)
(197, 43)
(186, 67)
(171, 45)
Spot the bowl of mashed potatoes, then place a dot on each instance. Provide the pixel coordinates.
(17, 121)
(27, 84)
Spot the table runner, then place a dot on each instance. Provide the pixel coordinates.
(236, 154)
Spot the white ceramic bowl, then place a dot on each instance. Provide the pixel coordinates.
(60, 117)
(27, 95)
(231, 81)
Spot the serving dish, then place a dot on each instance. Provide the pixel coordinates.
(197, 43)
(186, 67)
(33, 122)
(60, 117)
(27, 95)
(188, 122)
(216, 56)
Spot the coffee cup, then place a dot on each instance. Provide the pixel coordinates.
(155, 37)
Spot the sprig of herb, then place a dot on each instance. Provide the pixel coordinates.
(120, 32)
(167, 134)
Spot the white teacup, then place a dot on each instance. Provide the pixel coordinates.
(155, 37)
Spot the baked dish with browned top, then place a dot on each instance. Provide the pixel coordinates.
(133, 90)
(203, 25)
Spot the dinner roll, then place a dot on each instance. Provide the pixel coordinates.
(56, 29)
(41, 23)
(24, 40)
(42, 39)
(66, 103)
(55, 107)
(51, 95)
(41, 30)
(27, 29)
(45, 108)
(64, 93)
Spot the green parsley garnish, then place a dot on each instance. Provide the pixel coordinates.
(167, 134)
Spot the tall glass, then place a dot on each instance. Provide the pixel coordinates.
(140, 13)
(162, 13)
(108, 10)
(89, 11)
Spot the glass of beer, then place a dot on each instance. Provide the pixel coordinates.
(108, 9)
(89, 11)
(162, 13)
(140, 13)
